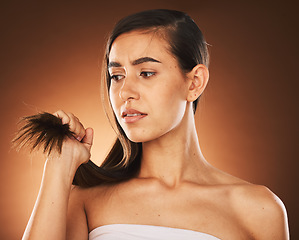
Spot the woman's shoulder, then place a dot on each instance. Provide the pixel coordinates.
(257, 198)
(85, 193)
(256, 207)
(259, 210)
(252, 200)
(244, 192)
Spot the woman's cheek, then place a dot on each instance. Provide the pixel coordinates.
(113, 100)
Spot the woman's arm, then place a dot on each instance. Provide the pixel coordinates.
(49, 217)
(76, 227)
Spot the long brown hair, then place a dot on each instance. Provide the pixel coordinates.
(187, 45)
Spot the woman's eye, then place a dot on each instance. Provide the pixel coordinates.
(116, 77)
(147, 74)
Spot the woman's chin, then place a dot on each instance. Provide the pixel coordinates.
(137, 139)
(142, 137)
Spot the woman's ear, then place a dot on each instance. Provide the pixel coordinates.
(198, 79)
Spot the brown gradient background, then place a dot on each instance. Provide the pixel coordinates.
(51, 54)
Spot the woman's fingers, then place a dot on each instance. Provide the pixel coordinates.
(63, 116)
(75, 125)
(88, 138)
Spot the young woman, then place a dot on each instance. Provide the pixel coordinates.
(155, 183)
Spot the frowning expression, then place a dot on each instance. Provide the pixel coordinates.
(148, 90)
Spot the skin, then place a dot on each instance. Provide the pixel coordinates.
(176, 186)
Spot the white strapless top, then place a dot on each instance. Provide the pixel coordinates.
(145, 232)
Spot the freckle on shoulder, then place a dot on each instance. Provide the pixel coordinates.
(251, 200)
(256, 196)
(258, 208)
(259, 194)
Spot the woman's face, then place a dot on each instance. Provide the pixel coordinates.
(148, 91)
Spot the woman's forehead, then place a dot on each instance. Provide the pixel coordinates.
(134, 45)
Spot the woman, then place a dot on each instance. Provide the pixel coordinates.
(155, 183)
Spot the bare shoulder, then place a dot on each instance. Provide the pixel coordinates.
(78, 196)
(255, 207)
(261, 211)
(82, 196)
(77, 227)
(80, 205)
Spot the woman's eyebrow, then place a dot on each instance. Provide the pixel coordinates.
(144, 59)
(135, 62)
(114, 64)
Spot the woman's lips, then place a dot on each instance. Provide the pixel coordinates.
(132, 115)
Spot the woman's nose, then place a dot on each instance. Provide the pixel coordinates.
(129, 89)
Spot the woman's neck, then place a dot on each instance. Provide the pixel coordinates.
(175, 157)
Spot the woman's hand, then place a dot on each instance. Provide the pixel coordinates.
(75, 150)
